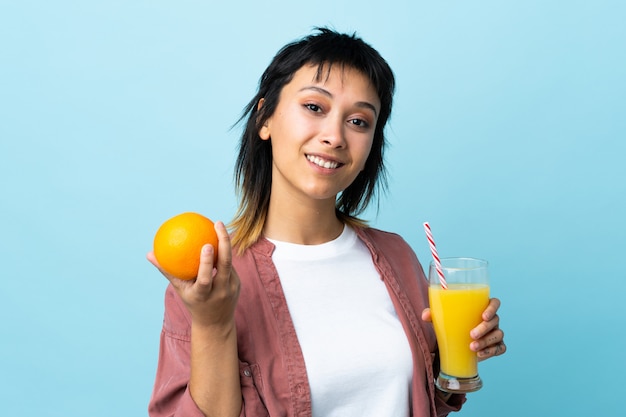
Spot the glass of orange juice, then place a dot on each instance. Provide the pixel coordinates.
(455, 311)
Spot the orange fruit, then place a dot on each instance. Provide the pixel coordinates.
(178, 242)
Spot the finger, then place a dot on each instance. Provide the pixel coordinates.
(485, 327)
(491, 339)
(492, 309)
(206, 275)
(224, 253)
(491, 320)
(205, 270)
(491, 351)
(152, 259)
(426, 316)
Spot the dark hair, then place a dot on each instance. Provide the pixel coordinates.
(253, 170)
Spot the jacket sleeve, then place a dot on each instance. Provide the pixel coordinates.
(170, 395)
(454, 404)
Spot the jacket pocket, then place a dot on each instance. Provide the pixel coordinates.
(251, 391)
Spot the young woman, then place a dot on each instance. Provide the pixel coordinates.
(308, 311)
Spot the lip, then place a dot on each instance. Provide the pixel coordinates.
(324, 161)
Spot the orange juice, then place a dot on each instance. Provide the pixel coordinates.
(455, 311)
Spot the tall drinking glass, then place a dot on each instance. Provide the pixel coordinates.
(455, 311)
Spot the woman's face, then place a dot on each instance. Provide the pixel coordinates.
(321, 132)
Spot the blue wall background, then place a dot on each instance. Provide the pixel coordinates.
(508, 135)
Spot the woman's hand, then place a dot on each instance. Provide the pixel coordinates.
(211, 297)
(488, 338)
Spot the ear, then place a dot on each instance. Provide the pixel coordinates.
(264, 131)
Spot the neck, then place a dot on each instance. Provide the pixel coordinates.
(310, 224)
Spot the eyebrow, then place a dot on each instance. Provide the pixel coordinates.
(363, 104)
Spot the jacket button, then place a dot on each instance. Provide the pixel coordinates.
(247, 373)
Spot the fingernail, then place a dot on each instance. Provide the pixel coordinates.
(206, 250)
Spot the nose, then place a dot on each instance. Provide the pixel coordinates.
(333, 134)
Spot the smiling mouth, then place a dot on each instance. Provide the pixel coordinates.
(324, 163)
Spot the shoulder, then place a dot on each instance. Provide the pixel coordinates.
(256, 272)
(382, 239)
(254, 259)
(390, 248)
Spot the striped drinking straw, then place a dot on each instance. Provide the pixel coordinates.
(433, 250)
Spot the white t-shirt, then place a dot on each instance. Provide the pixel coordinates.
(356, 352)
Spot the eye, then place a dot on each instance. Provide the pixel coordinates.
(359, 123)
(313, 107)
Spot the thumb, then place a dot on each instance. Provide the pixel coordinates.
(205, 271)
(426, 316)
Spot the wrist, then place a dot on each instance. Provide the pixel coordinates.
(213, 331)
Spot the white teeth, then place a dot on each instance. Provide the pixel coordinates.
(322, 162)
